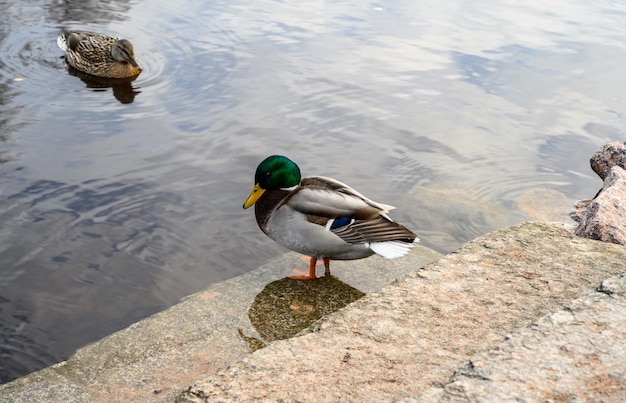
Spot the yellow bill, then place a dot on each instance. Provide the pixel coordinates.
(257, 191)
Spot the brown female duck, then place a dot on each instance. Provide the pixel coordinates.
(99, 55)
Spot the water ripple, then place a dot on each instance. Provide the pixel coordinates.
(117, 200)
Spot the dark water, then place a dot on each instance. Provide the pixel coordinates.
(117, 202)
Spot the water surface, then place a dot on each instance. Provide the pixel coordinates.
(117, 202)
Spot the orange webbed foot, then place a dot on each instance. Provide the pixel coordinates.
(303, 275)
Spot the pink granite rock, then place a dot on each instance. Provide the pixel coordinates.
(608, 156)
(604, 217)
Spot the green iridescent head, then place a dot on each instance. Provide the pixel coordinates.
(274, 172)
(277, 172)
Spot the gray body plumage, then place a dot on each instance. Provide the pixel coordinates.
(301, 221)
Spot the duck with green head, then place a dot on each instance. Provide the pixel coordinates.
(321, 217)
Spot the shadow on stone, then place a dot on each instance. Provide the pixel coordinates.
(285, 307)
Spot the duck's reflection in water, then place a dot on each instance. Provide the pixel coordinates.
(122, 88)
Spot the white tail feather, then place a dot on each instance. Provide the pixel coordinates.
(390, 249)
(62, 43)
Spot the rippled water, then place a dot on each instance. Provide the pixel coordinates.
(117, 202)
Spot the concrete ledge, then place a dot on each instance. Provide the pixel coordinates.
(574, 354)
(412, 335)
(155, 359)
(513, 310)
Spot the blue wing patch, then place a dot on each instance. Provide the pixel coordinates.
(341, 222)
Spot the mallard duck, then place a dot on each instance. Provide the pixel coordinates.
(321, 217)
(99, 55)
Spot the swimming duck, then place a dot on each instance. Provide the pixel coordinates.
(321, 217)
(99, 55)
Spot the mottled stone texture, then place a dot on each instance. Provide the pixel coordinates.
(415, 333)
(575, 354)
(608, 156)
(155, 359)
(478, 314)
(604, 217)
